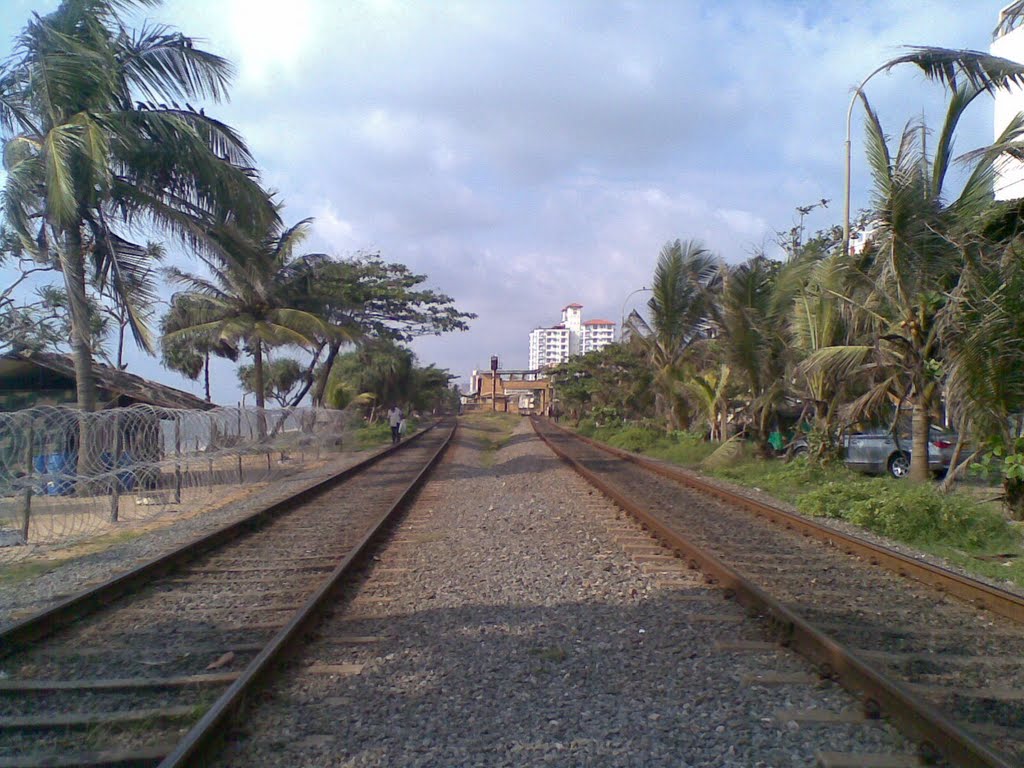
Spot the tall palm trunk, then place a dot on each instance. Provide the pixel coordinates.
(257, 371)
(206, 374)
(73, 267)
(320, 389)
(921, 423)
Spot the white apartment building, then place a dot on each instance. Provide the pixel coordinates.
(1008, 42)
(596, 335)
(548, 346)
(572, 336)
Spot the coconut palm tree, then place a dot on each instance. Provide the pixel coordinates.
(753, 313)
(710, 392)
(250, 298)
(902, 298)
(985, 350)
(817, 322)
(96, 146)
(679, 308)
(189, 354)
(955, 69)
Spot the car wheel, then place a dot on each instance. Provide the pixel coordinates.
(800, 450)
(899, 466)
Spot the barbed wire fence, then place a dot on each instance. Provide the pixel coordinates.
(66, 475)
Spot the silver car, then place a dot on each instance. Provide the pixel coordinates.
(878, 452)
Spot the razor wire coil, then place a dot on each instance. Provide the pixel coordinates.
(66, 475)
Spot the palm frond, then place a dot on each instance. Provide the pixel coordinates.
(957, 67)
(160, 62)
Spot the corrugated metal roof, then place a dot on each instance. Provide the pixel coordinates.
(16, 364)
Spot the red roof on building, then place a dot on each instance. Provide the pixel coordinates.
(598, 322)
(573, 306)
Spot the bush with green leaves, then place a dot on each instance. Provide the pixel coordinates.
(917, 514)
(636, 439)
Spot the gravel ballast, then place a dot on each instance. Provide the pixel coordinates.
(517, 618)
(73, 576)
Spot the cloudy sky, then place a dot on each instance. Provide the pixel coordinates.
(528, 154)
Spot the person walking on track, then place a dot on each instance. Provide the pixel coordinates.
(395, 420)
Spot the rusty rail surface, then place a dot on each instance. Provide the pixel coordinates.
(22, 634)
(978, 593)
(936, 733)
(200, 743)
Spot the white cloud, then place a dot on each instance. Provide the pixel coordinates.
(526, 154)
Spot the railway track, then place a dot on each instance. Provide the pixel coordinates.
(148, 668)
(911, 641)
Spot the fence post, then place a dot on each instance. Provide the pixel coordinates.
(211, 447)
(26, 505)
(115, 484)
(240, 474)
(177, 458)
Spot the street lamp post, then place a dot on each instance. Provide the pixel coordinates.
(622, 314)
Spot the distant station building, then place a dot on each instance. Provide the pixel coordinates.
(511, 391)
(572, 336)
(1008, 43)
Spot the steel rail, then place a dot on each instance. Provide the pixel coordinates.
(936, 733)
(199, 744)
(978, 593)
(20, 635)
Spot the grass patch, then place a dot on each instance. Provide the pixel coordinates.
(683, 448)
(379, 433)
(19, 572)
(553, 653)
(970, 533)
(36, 566)
(491, 431)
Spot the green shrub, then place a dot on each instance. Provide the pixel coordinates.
(373, 434)
(636, 439)
(834, 499)
(686, 449)
(916, 514)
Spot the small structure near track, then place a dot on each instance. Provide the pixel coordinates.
(29, 378)
(513, 391)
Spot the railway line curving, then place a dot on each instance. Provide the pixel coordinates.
(939, 653)
(147, 668)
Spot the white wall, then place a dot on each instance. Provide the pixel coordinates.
(1009, 183)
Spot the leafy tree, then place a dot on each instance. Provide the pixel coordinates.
(189, 353)
(251, 297)
(900, 296)
(615, 379)
(281, 376)
(381, 372)
(985, 350)
(710, 393)
(95, 145)
(138, 286)
(366, 296)
(818, 323)
(679, 308)
(44, 324)
(753, 313)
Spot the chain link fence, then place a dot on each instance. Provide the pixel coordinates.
(66, 475)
